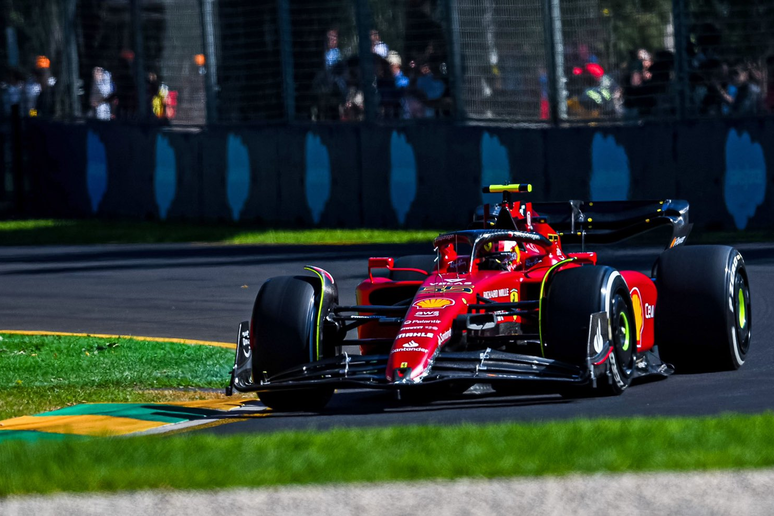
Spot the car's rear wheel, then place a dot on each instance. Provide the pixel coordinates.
(572, 296)
(283, 329)
(703, 314)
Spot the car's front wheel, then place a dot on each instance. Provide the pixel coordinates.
(285, 336)
(572, 296)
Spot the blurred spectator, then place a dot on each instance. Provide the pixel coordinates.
(378, 46)
(13, 90)
(596, 94)
(353, 108)
(30, 96)
(395, 61)
(661, 84)
(332, 52)
(432, 91)
(410, 105)
(101, 95)
(711, 93)
(126, 90)
(329, 84)
(387, 92)
(635, 95)
(545, 106)
(45, 105)
(746, 93)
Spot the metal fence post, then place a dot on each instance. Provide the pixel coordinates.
(367, 73)
(455, 67)
(211, 61)
(139, 60)
(681, 57)
(70, 57)
(557, 93)
(286, 56)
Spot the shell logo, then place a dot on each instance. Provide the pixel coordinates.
(434, 302)
(639, 313)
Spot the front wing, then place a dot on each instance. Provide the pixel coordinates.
(481, 366)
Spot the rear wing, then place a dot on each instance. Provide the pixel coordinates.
(603, 222)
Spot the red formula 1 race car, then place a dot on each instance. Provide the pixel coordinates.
(503, 304)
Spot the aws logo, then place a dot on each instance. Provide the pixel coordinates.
(434, 302)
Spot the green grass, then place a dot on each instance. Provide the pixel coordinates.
(40, 373)
(49, 232)
(200, 461)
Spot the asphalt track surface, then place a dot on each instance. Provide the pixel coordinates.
(202, 292)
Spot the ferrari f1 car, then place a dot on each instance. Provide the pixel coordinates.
(502, 303)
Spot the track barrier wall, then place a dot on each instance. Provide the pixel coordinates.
(420, 175)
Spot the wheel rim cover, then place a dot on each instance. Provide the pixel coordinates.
(624, 330)
(741, 309)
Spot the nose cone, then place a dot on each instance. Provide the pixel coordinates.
(426, 328)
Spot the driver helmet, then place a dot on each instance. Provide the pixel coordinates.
(500, 255)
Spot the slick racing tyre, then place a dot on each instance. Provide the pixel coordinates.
(282, 328)
(572, 296)
(703, 313)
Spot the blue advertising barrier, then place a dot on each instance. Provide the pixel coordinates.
(423, 175)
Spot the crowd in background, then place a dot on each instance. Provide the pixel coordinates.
(411, 80)
(647, 84)
(404, 87)
(104, 95)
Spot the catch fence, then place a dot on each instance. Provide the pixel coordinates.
(192, 62)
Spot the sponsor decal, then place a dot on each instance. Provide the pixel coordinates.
(410, 346)
(410, 334)
(553, 237)
(434, 302)
(456, 281)
(433, 313)
(650, 311)
(427, 321)
(403, 364)
(532, 248)
(529, 218)
(598, 341)
(533, 261)
(246, 343)
(444, 336)
(419, 328)
(501, 292)
(677, 241)
(530, 236)
(446, 289)
(514, 295)
(446, 239)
